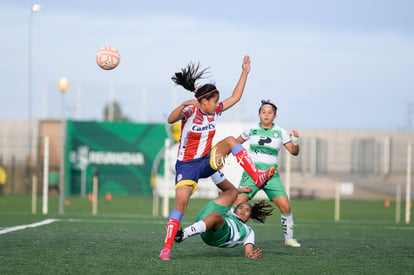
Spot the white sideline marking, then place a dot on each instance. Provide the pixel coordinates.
(21, 227)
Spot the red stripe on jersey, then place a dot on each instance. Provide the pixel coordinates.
(220, 108)
(197, 132)
(192, 146)
(209, 142)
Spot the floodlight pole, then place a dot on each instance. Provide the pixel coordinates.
(408, 187)
(35, 8)
(63, 85)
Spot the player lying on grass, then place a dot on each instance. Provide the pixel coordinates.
(221, 227)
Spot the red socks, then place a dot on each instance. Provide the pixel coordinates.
(246, 162)
(172, 228)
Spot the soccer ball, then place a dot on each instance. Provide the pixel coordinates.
(108, 58)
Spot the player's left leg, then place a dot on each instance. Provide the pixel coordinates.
(286, 220)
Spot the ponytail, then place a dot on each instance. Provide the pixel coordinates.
(188, 77)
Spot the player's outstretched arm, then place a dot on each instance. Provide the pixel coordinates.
(176, 114)
(238, 90)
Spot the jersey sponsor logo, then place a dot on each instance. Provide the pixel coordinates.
(207, 127)
(264, 140)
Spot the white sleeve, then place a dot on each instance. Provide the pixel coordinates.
(249, 239)
(285, 136)
(245, 135)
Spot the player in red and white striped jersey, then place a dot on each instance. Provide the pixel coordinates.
(197, 132)
(197, 158)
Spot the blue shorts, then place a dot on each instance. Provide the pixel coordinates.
(189, 172)
(193, 169)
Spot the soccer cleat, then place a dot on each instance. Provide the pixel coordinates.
(264, 176)
(180, 236)
(165, 254)
(292, 243)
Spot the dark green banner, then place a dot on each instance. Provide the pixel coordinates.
(122, 153)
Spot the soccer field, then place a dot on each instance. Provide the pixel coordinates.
(124, 238)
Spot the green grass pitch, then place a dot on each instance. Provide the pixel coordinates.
(124, 238)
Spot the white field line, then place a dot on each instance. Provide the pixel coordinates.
(21, 227)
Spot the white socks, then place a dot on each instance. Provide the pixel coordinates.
(196, 228)
(287, 225)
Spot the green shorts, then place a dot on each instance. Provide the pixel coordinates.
(273, 188)
(220, 236)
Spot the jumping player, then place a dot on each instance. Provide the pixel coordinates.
(197, 158)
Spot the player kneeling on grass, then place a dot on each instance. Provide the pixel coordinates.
(219, 226)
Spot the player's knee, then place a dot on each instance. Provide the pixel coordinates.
(231, 140)
(217, 216)
(285, 209)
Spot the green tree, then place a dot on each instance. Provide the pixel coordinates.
(113, 112)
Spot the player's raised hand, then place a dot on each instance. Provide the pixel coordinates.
(246, 64)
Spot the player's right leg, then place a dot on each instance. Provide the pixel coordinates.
(230, 144)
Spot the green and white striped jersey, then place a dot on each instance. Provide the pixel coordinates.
(241, 233)
(265, 144)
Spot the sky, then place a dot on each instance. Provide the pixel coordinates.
(325, 64)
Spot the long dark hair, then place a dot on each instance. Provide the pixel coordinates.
(188, 77)
(261, 210)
